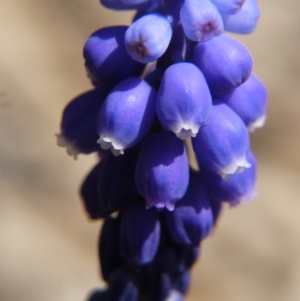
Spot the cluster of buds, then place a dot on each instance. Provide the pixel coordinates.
(172, 75)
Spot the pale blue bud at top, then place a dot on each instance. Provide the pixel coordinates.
(245, 20)
(106, 57)
(238, 188)
(228, 7)
(201, 20)
(183, 101)
(225, 63)
(222, 145)
(126, 115)
(122, 287)
(148, 38)
(249, 101)
(140, 234)
(192, 219)
(162, 172)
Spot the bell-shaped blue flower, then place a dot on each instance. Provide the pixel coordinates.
(245, 21)
(192, 219)
(201, 20)
(183, 101)
(249, 101)
(122, 287)
(162, 172)
(238, 188)
(228, 7)
(106, 57)
(148, 38)
(222, 145)
(109, 246)
(228, 69)
(126, 115)
(140, 234)
(79, 123)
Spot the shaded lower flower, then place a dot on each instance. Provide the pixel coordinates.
(162, 171)
(109, 247)
(192, 219)
(122, 286)
(140, 234)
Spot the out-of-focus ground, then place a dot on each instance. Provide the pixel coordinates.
(48, 246)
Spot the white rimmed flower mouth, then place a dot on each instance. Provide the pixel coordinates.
(185, 130)
(258, 123)
(62, 141)
(116, 147)
(236, 166)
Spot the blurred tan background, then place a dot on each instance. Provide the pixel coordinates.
(48, 246)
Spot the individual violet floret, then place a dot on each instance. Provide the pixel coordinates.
(222, 145)
(249, 101)
(79, 122)
(244, 22)
(148, 38)
(201, 20)
(225, 63)
(162, 172)
(192, 219)
(238, 188)
(106, 57)
(228, 7)
(126, 115)
(183, 101)
(140, 234)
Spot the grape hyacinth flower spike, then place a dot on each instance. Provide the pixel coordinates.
(170, 78)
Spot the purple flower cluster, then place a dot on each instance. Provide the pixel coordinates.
(172, 75)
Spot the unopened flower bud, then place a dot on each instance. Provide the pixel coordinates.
(225, 63)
